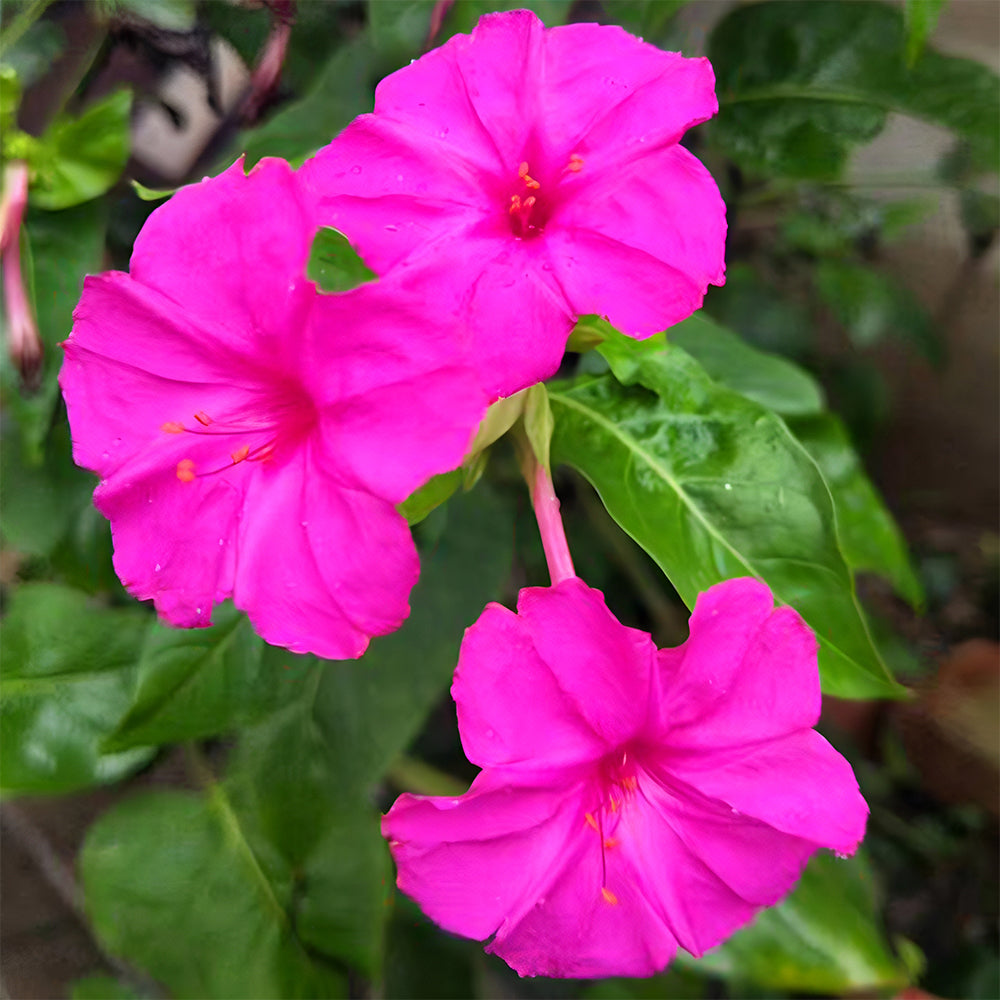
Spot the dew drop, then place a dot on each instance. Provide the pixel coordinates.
(355, 170)
(222, 541)
(305, 524)
(728, 486)
(392, 229)
(157, 567)
(197, 611)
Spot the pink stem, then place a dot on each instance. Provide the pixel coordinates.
(23, 342)
(550, 526)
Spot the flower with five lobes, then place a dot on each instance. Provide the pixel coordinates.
(631, 799)
(522, 177)
(253, 435)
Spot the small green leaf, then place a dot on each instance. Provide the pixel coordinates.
(824, 938)
(174, 886)
(767, 379)
(430, 496)
(334, 264)
(10, 98)
(151, 194)
(538, 424)
(713, 486)
(869, 537)
(80, 158)
(920, 18)
(195, 683)
(68, 670)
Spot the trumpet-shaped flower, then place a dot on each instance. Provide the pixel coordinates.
(521, 177)
(252, 435)
(631, 799)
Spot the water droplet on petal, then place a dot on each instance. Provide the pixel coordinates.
(157, 567)
(355, 170)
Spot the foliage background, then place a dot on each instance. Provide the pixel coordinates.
(216, 831)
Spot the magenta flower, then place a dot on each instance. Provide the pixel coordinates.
(521, 177)
(631, 799)
(252, 435)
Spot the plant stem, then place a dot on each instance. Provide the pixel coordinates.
(550, 524)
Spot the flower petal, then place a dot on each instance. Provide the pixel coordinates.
(592, 920)
(666, 205)
(605, 668)
(705, 871)
(392, 188)
(747, 671)
(608, 95)
(472, 861)
(797, 784)
(231, 250)
(322, 567)
(510, 706)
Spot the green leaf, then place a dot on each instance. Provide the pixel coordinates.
(371, 709)
(195, 683)
(174, 886)
(430, 496)
(465, 14)
(802, 82)
(869, 537)
(151, 194)
(538, 424)
(871, 307)
(920, 18)
(824, 938)
(79, 159)
(10, 98)
(767, 379)
(334, 264)
(169, 15)
(713, 486)
(68, 669)
(649, 19)
(340, 93)
(57, 251)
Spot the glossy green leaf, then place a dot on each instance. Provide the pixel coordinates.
(68, 670)
(78, 159)
(872, 306)
(824, 938)
(58, 249)
(342, 91)
(286, 786)
(802, 82)
(334, 264)
(195, 683)
(869, 537)
(371, 709)
(765, 378)
(713, 486)
(920, 18)
(174, 886)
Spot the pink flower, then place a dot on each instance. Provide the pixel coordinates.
(252, 435)
(522, 177)
(631, 799)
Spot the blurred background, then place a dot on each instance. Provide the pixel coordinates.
(871, 259)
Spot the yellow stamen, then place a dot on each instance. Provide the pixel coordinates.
(575, 164)
(529, 181)
(185, 470)
(610, 842)
(172, 427)
(591, 822)
(515, 204)
(609, 896)
(203, 418)
(240, 454)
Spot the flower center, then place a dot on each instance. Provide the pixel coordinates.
(617, 783)
(256, 434)
(530, 206)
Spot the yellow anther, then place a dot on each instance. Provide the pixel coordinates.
(515, 204)
(591, 822)
(185, 470)
(529, 201)
(610, 842)
(575, 164)
(203, 418)
(240, 454)
(529, 181)
(172, 427)
(609, 896)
